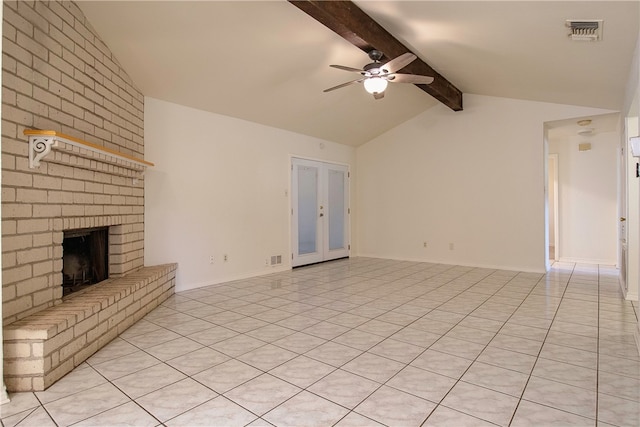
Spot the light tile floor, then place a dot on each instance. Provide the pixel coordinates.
(366, 342)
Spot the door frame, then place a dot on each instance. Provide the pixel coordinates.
(556, 206)
(291, 200)
(632, 203)
(623, 183)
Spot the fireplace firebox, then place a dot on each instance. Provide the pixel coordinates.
(85, 258)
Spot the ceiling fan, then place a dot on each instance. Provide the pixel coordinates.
(376, 75)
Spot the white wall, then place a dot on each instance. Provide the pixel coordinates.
(632, 110)
(588, 198)
(220, 186)
(474, 178)
(631, 210)
(632, 213)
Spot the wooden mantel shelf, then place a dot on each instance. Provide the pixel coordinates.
(42, 141)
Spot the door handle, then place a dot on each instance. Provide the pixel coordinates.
(622, 219)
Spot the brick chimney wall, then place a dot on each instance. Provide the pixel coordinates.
(58, 75)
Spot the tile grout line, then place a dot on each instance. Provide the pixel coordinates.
(175, 382)
(457, 323)
(121, 391)
(435, 308)
(487, 345)
(267, 372)
(475, 359)
(543, 343)
(350, 410)
(406, 364)
(321, 282)
(381, 384)
(233, 358)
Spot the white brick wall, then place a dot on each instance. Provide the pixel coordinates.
(58, 75)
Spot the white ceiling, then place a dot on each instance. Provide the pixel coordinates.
(268, 62)
(567, 130)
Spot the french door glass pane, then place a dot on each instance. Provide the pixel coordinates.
(307, 209)
(336, 209)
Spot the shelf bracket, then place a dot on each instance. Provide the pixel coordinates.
(39, 147)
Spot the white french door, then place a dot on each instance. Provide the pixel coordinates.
(320, 211)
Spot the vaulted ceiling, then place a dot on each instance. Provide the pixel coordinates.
(268, 62)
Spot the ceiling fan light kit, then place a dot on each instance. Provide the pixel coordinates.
(375, 85)
(377, 75)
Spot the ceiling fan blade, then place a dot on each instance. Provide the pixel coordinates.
(399, 63)
(378, 95)
(342, 67)
(410, 78)
(343, 85)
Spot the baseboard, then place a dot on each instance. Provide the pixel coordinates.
(611, 262)
(637, 335)
(243, 276)
(526, 269)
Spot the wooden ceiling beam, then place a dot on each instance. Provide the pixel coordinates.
(351, 23)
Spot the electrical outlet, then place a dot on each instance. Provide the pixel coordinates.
(211, 259)
(425, 244)
(226, 257)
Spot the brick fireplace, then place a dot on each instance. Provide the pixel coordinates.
(54, 334)
(68, 191)
(59, 76)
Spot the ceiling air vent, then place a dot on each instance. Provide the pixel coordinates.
(586, 30)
